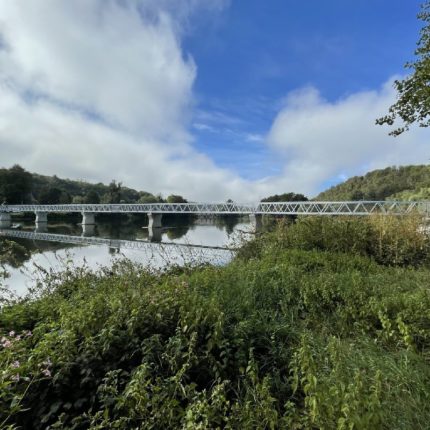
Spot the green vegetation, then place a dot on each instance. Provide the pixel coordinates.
(286, 197)
(402, 183)
(18, 186)
(321, 324)
(413, 92)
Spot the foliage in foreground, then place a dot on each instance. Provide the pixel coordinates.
(280, 338)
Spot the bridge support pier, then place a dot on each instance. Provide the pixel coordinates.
(41, 217)
(88, 218)
(41, 227)
(256, 222)
(154, 220)
(154, 234)
(5, 221)
(88, 230)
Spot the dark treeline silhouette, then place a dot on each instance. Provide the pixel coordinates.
(17, 186)
(286, 197)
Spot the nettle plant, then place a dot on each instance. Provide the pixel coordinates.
(19, 371)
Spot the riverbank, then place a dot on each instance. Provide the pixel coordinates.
(324, 324)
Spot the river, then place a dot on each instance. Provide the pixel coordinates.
(61, 244)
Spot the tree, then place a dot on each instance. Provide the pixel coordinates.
(149, 198)
(413, 99)
(286, 197)
(15, 185)
(50, 196)
(91, 197)
(175, 199)
(114, 193)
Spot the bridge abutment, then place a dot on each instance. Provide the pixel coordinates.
(154, 220)
(88, 218)
(5, 220)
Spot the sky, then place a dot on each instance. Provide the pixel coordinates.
(210, 99)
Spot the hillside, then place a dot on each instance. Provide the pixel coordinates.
(402, 183)
(19, 186)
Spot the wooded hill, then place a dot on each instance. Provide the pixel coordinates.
(18, 186)
(398, 183)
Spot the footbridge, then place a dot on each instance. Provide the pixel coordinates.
(155, 211)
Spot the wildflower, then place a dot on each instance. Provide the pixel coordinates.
(12, 333)
(28, 333)
(46, 372)
(5, 343)
(16, 377)
(47, 362)
(15, 364)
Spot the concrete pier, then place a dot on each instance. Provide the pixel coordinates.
(88, 230)
(41, 217)
(154, 220)
(154, 234)
(256, 222)
(5, 221)
(41, 227)
(88, 218)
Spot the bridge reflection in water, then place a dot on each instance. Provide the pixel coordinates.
(116, 244)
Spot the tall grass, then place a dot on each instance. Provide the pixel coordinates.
(389, 240)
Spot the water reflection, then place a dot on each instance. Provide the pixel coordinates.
(53, 246)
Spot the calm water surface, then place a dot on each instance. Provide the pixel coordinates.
(64, 243)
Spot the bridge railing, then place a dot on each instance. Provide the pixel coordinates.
(280, 208)
(199, 208)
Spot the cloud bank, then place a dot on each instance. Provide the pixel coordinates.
(323, 140)
(102, 89)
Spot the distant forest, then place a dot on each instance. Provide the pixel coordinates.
(17, 186)
(392, 183)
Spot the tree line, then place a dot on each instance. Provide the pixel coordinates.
(18, 186)
(391, 183)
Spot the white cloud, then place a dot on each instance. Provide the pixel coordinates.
(101, 57)
(321, 140)
(101, 89)
(67, 63)
(69, 144)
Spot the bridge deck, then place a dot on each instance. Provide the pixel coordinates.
(278, 208)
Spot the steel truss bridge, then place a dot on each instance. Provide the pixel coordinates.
(278, 208)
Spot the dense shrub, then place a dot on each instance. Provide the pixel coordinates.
(296, 338)
(389, 240)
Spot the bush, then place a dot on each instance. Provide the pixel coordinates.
(389, 240)
(296, 338)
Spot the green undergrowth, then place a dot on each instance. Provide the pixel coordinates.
(297, 334)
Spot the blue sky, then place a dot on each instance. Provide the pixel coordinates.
(211, 99)
(256, 52)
